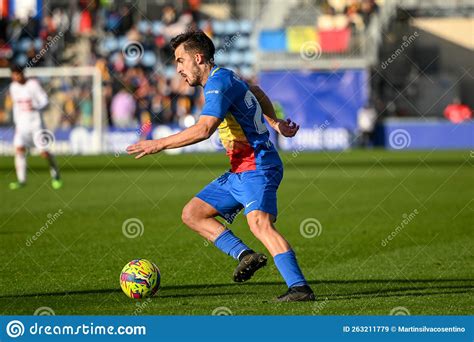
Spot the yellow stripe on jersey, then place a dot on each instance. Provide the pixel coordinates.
(239, 150)
(230, 132)
(212, 74)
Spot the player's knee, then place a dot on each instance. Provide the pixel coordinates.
(44, 155)
(260, 225)
(188, 215)
(20, 150)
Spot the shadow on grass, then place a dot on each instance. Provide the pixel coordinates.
(382, 288)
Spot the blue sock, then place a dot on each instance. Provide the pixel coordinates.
(289, 269)
(230, 244)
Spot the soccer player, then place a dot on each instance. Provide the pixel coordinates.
(28, 100)
(238, 111)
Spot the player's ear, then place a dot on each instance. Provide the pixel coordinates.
(198, 58)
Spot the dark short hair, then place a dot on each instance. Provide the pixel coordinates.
(195, 41)
(17, 68)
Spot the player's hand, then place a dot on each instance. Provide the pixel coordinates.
(145, 147)
(287, 128)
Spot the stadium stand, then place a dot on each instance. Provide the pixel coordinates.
(129, 45)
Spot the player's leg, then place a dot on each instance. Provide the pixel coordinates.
(53, 169)
(257, 189)
(20, 168)
(261, 225)
(21, 141)
(215, 200)
(201, 217)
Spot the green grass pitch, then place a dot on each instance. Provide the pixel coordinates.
(422, 200)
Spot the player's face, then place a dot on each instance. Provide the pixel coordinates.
(187, 66)
(17, 77)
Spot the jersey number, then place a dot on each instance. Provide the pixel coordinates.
(251, 101)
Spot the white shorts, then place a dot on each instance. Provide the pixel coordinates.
(37, 137)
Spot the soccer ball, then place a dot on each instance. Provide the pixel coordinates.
(140, 278)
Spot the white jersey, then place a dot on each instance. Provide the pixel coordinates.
(28, 99)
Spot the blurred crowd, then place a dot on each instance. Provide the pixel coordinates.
(140, 84)
(132, 52)
(355, 14)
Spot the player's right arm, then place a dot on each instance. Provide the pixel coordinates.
(202, 130)
(218, 97)
(286, 127)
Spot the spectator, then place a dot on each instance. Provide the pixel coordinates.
(457, 112)
(366, 118)
(94, 33)
(85, 108)
(367, 9)
(31, 29)
(126, 20)
(6, 52)
(123, 109)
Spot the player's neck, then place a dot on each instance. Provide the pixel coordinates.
(206, 73)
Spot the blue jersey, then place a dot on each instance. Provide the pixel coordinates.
(243, 132)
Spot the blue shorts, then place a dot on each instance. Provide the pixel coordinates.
(252, 190)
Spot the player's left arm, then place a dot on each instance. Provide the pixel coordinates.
(40, 96)
(202, 130)
(286, 127)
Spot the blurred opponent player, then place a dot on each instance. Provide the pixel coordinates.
(28, 100)
(256, 169)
